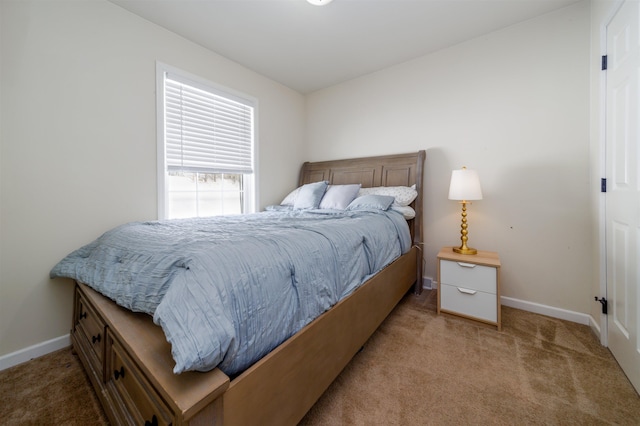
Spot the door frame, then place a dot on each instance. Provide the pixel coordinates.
(602, 205)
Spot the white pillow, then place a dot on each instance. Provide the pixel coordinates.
(403, 195)
(406, 211)
(339, 196)
(290, 199)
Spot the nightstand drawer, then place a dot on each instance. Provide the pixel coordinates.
(470, 302)
(468, 275)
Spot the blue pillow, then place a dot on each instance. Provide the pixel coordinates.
(371, 202)
(339, 196)
(310, 195)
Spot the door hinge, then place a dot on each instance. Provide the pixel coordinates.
(604, 62)
(603, 185)
(604, 304)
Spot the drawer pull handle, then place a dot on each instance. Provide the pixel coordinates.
(153, 422)
(118, 373)
(466, 291)
(466, 265)
(82, 315)
(95, 339)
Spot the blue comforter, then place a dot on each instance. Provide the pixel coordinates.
(227, 290)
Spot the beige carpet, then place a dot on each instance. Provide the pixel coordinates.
(50, 390)
(418, 369)
(424, 369)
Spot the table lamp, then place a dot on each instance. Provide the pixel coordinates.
(464, 187)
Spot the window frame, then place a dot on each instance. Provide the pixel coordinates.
(249, 180)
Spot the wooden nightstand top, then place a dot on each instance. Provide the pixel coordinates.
(488, 258)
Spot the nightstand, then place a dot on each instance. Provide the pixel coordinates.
(469, 285)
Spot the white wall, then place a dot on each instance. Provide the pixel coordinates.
(77, 85)
(78, 142)
(514, 105)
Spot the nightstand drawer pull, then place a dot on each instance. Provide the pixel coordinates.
(466, 291)
(466, 265)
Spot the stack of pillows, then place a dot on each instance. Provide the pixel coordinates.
(321, 195)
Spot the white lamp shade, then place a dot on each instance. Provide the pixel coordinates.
(465, 185)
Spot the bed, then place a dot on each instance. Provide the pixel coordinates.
(130, 363)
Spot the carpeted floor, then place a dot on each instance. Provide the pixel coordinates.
(417, 369)
(423, 369)
(50, 390)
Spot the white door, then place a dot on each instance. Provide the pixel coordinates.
(623, 181)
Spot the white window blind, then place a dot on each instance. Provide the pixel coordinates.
(206, 132)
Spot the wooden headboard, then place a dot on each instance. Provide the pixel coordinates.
(386, 170)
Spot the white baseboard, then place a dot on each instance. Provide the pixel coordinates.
(595, 327)
(549, 311)
(35, 351)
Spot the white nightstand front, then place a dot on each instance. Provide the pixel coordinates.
(469, 285)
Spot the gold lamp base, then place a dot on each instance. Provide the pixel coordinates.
(463, 249)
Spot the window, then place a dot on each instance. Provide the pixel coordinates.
(205, 148)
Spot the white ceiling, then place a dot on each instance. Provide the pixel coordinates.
(308, 47)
